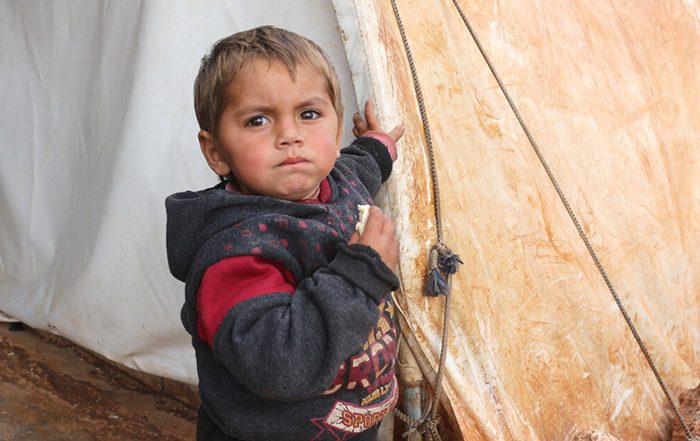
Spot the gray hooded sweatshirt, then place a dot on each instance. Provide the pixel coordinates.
(314, 365)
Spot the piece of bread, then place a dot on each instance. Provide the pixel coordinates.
(364, 214)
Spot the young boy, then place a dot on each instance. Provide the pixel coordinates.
(288, 306)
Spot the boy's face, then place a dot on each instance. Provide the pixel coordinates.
(279, 136)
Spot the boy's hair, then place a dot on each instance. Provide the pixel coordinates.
(230, 55)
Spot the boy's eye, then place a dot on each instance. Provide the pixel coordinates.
(310, 114)
(257, 121)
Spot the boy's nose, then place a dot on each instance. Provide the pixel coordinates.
(288, 134)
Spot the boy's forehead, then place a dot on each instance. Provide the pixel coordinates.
(261, 66)
(257, 73)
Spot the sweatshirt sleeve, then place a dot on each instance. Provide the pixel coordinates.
(232, 281)
(289, 346)
(370, 159)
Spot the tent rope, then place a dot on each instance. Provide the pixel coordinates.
(689, 436)
(442, 265)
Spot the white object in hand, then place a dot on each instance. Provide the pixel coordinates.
(364, 214)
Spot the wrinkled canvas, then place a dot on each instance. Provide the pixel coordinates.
(538, 349)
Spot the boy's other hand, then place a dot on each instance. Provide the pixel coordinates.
(370, 123)
(380, 235)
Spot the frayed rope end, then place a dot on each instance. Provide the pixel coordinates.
(436, 283)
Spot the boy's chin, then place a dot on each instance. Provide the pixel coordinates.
(301, 195)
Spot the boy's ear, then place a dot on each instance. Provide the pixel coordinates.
(338, 138)
(216, 160)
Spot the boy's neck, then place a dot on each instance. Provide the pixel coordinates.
(322, 194)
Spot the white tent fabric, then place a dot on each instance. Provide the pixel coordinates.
(97, 128)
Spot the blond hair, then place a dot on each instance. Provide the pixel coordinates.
(230, 55)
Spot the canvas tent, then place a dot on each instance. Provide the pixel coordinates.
(98, 127)
(609, 91)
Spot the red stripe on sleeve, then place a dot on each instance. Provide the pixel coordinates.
(232, 281)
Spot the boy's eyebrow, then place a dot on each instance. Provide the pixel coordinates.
(315, 101)
(252, 109)
(263, 108)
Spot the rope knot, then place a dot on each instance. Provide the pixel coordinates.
(429, 426)
(442, 260)
(448, 262)
(426, 425)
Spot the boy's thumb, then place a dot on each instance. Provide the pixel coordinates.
(397, 132)
(354, 238)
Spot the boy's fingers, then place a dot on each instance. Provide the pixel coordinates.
(388, 227)
(370, 117)
(375, 221)
(359, 125)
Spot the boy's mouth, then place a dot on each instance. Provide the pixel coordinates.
(294, 160)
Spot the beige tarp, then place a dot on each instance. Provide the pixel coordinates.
(610, 91)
